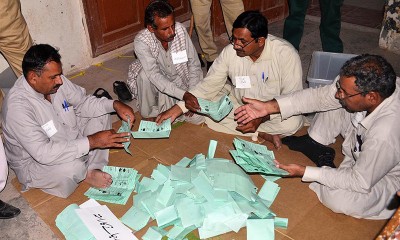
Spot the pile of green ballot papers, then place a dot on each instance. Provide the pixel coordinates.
(255, 158)
(212, 195)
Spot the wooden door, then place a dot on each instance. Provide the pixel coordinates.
(274, 10)
(114, 23)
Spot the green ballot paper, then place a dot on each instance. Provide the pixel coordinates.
(125, 128)
(255, 158)
(216, 110)
(124, 182)
(149, 129)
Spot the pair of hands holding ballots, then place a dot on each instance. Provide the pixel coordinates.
(216, 110)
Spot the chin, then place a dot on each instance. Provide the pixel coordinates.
(240, 54)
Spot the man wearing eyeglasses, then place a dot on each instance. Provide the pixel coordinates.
(363, 106)
(255, 65)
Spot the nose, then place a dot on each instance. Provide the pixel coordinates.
(337, 95)
(59, 80)
(171, 31)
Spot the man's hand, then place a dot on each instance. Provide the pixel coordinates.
(251, 126)
(189, 114)
(191, 102)
(294, 170)
(172, 113)
(124, 111)
(251, 110)
(107, 139)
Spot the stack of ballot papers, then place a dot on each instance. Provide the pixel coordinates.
(125, 127)
(148, 129)
(124, 182)
(255, 158)
(91, 221)
(216, 110)
(212, 195)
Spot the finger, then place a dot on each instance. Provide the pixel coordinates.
(240, 111)
(240, 118)
(247, 100)
(161, 120)
(121, 135)
(158, 118)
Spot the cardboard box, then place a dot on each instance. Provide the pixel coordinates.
(325, 67)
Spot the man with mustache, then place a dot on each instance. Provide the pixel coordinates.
(256, 65)
(167, 64)
(363, 106)
(55, 135)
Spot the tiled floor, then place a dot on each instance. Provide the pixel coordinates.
(356, 15)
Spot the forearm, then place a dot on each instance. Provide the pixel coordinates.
(307, 101)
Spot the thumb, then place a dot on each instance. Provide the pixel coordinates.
(247, 100)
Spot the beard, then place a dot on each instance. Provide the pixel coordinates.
(345, 106)
(171, 38)
(240, 53)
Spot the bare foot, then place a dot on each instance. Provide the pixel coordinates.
(98, 179)
(274, 139)
(151, 119)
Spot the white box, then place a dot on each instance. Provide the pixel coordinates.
(324, 67)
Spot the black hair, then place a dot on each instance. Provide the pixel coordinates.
(159, 8)
(372, 73)
(254, 21)
(37, 57)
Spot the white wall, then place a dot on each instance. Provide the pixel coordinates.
(62, 24)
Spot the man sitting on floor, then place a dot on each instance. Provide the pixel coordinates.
(260, 66)
(167, 65)
(363, 106)
(56, 136)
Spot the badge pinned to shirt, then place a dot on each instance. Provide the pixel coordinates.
(49, 128)
(243, 82)
(179, 57)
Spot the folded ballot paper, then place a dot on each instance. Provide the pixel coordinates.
(216, 110)
(148, 129)
(255, 158)
(124, 182)
(125, 127)
(91, 221)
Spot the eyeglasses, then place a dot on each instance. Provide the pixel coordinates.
(242, 44)
(343, 94)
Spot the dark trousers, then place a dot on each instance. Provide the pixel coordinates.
(329, 27)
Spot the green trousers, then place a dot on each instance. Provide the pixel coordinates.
(329, 28)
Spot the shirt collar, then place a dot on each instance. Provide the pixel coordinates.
(369, 120)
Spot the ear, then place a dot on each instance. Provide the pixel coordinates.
(150, 28)
(261, 41)
(32, 78)
(374, 98)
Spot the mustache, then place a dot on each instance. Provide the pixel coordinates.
(57, 86)
(171, 36)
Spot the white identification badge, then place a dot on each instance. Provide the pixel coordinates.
(179, 57)
(49, 128)
(243, 82)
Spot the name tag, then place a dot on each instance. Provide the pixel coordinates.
(179, 57)
(243, 82)
(49, 128)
